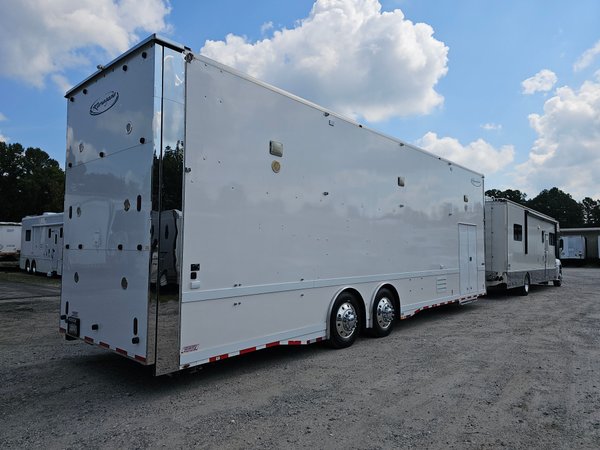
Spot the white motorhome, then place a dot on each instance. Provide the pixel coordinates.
(297, 225)
(520, 246)
(42, 244)
(572, 248)
(10, 240)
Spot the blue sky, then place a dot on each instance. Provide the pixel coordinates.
(509, 88)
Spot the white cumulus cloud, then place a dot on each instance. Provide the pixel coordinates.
(587, 57)
(42, 38)
(266, 27)
(491, 126)
(478, 155)
(543, 81)
(349, 56)
(566, 152)
(2, 117)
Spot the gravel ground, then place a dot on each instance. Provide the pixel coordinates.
(506, 371)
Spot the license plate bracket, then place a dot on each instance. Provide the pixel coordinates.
(73, 326)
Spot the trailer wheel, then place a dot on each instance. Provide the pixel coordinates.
(27, 266)
(524, 291)
(383, 313)
(344, 321)
(33, 268)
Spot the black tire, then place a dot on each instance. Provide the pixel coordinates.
(557, 283)
(344, 323)
(27, 267)
(33, 268)
(384, 314)
(524, 290)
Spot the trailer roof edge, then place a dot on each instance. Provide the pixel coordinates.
(152, 38)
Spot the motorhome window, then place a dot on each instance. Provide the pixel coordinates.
(552, 239)
(55, 238)
(543, 236)
(560, 244)
(49, 233)
(518, 232)
(28, 235)
(61, 232)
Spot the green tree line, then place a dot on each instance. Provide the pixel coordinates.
(558, 204)
(31, 182)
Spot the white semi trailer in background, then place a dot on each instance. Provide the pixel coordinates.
(520, 246)
(297, 225)
(42, 244)
(573, 248)
(10, 240)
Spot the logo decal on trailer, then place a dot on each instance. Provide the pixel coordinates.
(190, 348)
(104, 103)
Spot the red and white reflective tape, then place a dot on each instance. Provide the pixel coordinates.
(120, 351)
(260, 347)
(461, 299)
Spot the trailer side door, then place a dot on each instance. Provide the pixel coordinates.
(467, 255)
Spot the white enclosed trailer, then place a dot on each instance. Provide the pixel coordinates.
(10, 240)
(42, 244)
(294, 225)
(520, 246)
(572, 248)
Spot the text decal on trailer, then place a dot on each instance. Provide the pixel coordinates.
(104, 103)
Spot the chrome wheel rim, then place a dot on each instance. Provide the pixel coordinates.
(346, 320)
(384, 313)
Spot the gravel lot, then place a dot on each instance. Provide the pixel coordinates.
(505, 371)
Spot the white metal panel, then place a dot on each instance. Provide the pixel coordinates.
(107, 229)
(334, 211)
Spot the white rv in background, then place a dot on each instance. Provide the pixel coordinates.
(296, 225)
(520, 246)
(42, 244)
(10, 240)
(572, 248)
